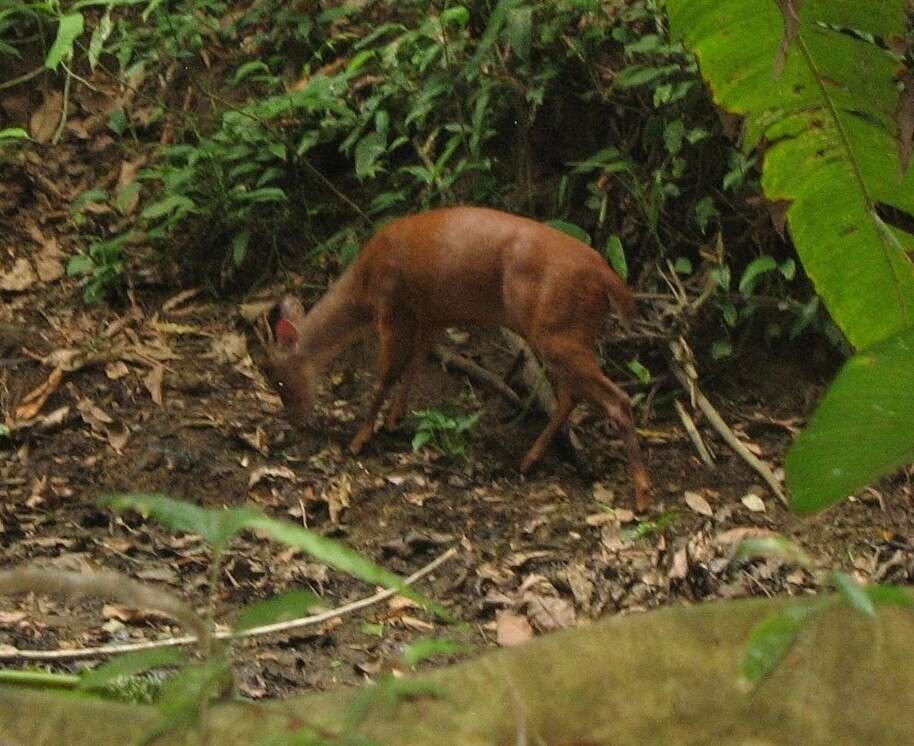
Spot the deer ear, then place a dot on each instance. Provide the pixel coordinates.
(286, 333)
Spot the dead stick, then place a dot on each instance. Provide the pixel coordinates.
(689, 424)
(464, 364)
(74, 653)
(717, 422)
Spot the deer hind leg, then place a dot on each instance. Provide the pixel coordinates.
(578, 365)
(564, 405)
(396, 349)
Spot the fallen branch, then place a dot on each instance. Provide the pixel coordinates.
(99, 652)
(681, 361)
(692, 431)
(465, 365)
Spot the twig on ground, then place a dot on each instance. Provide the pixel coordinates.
(692, 431)
(76, 653)
(464, 364)
(682, 360)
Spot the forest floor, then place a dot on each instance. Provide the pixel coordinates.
(165, 397)
(163, 394)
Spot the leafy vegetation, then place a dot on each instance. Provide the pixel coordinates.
(448, 433)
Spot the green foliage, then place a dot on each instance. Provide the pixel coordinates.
(448, 433)
(281, 608)
(861, 430)
(827, 118)
(421, 650)
(219, 527)
(115, 675)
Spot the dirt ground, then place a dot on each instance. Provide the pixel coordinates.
(164, 396)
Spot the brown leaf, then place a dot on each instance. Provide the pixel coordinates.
(20, 277)
(549, 613)
(153, 383)
(228, 348)
(511, 629)
(580, 579)
(116, 370)
(753, 502)
(698, 503)
(32, 403)
(46, 117)
(272, 472)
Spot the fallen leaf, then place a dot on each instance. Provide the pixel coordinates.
(228, 348)
(337, 495)
(177, 300)
(680, 567)
(580, 580)
(753, 502)
(272, 472)
(517, 559)
(153, 383)
(46, 118)
(698, 504)
(603, 493)
(511, 629)
(20, 277)
(549, 613)
(116, 370)
(32, 402)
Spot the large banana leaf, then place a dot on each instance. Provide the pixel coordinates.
(820, 97)
(863, 428)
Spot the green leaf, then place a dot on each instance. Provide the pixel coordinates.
(520, 31)
(721, 349)
(829, 135)
(359, 61)
(117, 122)
(853, 593)
(337, 555)
(12, 133)
(862, 429)
(88, 197)
(421, 439)
(456, 14)
(673, 135)
(4, 431)
(240, 247)
(132, 664)
(641, 373)
(890, 595)
(571, 229)
(281, 608)
(99, 36)
(772, 639)
(248, 69)
(616, 255)
(756, 268)
(262, 195)
(683, 266)
(217, 527)
(421, 650)
(172, 203)
(80, 265)
(367, 153)
(777, 547)
(69, 28)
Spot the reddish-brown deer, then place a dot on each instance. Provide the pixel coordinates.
(453, 266)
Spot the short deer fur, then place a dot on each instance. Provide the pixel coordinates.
(453, 266)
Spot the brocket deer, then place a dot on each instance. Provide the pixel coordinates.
(453, 266)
